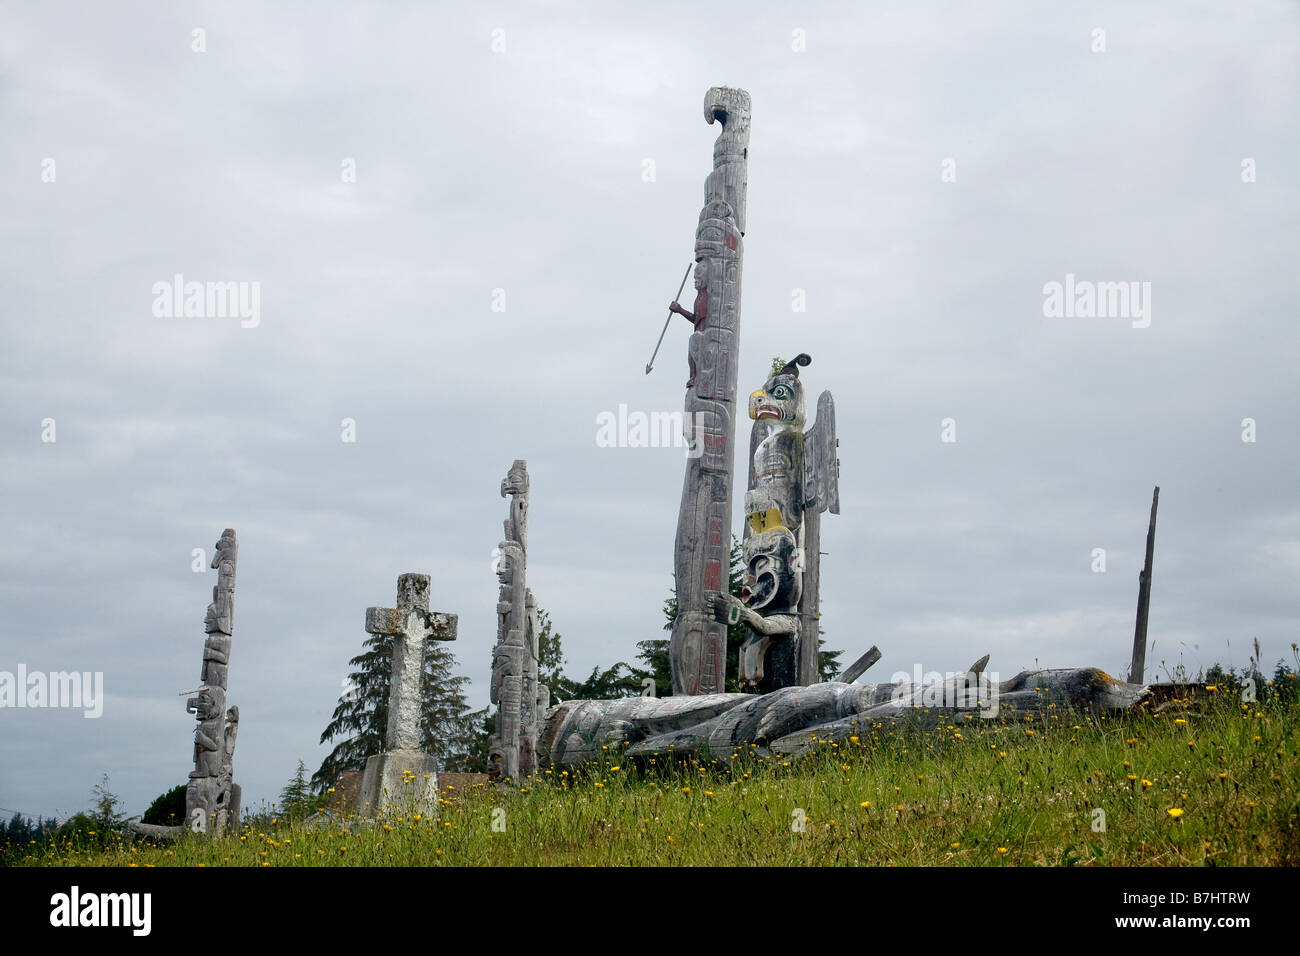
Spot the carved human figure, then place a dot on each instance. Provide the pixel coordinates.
(209, 708)
(698, 317)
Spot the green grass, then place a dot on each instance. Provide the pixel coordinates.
(970, 793)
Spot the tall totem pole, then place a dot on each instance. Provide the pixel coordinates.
(515, 688)
(212, 797)
(698, 650)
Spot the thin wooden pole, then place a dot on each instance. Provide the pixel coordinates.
(1138, 667)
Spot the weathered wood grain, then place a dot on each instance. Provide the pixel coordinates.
(698, 647)
(792, 720)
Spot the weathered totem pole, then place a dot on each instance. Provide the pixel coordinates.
(793, 477)
(698, 649)
(520, 699)
(212, 798)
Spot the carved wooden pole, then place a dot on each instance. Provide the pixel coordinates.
(515, 687)
(822, 493)
(212, 798)
(698, 649)
(1136, 669)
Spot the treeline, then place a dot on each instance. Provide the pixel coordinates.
(23, 831)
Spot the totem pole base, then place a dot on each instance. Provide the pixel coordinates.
(399, 782)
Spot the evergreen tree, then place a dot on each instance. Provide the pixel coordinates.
(16, 832)
(448, 730)
(828, 662)
(1286, 682)
(655, 655)
(550, 656)
(168, 809)
(620, 680)
(297, 799)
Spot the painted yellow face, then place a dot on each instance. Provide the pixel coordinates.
(768, 520)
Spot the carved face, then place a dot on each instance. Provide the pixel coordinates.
(773, 583)
(208, 705)
(223, 559)
(780, 399)
(506, 562)
(516, 480)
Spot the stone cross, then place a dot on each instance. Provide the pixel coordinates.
(412, 623)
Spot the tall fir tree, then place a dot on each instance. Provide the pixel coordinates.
(448, 729)
(296, 799)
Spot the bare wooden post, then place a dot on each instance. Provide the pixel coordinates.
(810, 671)
(1136, 669)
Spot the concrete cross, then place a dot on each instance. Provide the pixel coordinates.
(412, 623)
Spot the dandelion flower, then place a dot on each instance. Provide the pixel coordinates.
(1175, 812)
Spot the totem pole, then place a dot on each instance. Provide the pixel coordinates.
(698, 649)
(212, 798)
(520, 699)
(793, 477)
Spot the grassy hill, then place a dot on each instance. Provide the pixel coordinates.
(1210, 784)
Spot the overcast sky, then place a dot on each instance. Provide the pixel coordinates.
(919, 171)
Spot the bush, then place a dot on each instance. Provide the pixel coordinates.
(168, 809)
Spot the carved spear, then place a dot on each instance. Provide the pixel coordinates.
(651, 364)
